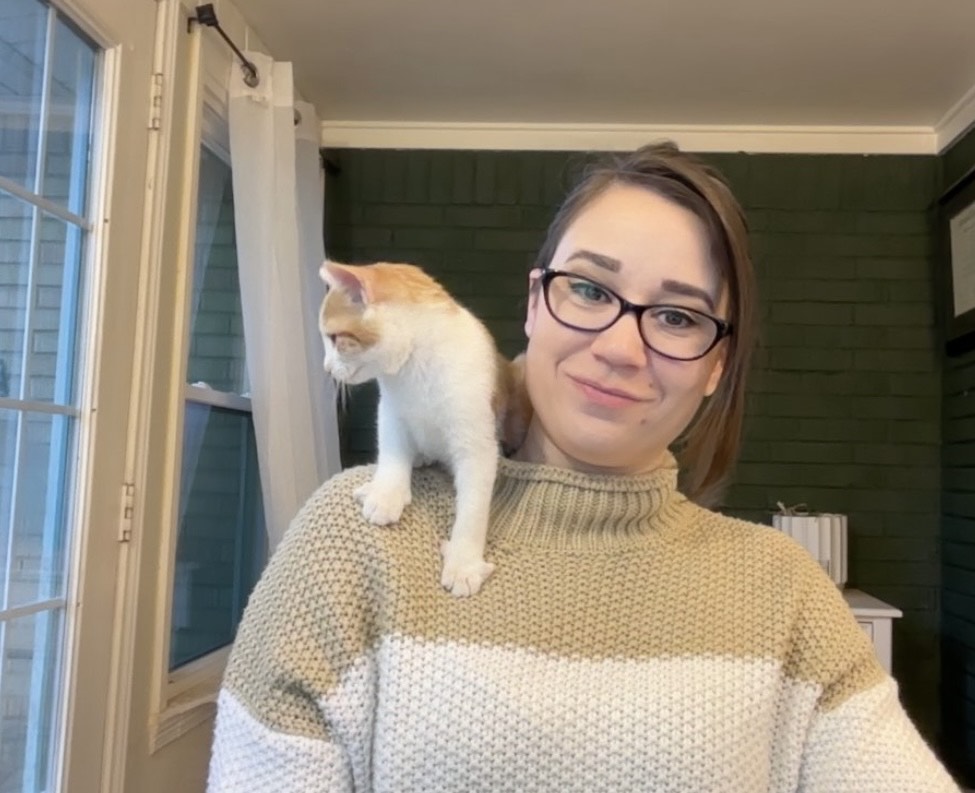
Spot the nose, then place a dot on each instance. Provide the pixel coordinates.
(621, 344)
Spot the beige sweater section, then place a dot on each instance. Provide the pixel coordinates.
(627, 640)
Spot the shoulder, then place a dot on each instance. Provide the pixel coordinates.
(738, 536)
(333, 561)
(768, 563)
(826, 645)
(332, 515)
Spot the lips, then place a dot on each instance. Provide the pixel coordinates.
(603, 395)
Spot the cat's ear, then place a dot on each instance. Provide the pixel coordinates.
(349, 279)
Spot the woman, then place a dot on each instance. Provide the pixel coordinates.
(629, 638)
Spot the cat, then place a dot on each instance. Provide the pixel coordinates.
(445, 395)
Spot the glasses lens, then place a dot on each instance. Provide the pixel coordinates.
(581, 303)
(677, 332)
(680, 333)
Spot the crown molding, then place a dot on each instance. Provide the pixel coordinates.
(620, 137)
(957, 121)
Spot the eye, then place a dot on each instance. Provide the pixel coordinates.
(342, 340)
(675, 318)
(588, 291)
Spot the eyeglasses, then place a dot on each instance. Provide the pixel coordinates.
(682, 334)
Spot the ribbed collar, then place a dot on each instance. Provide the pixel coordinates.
(542, 505)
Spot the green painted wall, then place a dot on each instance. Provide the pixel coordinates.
(958, 527)
(845, 404)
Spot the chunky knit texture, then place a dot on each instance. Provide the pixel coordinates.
(628, 640)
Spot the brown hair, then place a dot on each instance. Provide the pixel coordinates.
(708, 448)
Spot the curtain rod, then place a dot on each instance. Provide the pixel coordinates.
(206, 15)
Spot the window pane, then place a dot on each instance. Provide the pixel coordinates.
(53, 318)
(23, 28)
(16, 218)
(216, 330)
(29, 674)
(68, 131)
(221, 547)
(34, 453)
(8, 464)
(42, 309)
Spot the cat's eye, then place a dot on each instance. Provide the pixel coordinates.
(335, 338)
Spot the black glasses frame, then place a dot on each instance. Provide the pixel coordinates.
(722, 328)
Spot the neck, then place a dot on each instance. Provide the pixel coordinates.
(563, 508)
(539, 448)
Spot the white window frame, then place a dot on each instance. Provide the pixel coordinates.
(197, 676)
(116, 262)
(185, 698)
(104, 107)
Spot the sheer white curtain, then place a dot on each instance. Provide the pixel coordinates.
(278, 202)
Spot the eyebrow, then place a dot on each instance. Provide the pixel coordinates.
(674, 287)
(599, 259)
(680, 288)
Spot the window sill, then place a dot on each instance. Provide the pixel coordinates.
(181, 716)
(190, 699)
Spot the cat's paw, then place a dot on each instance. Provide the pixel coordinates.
(382, 504)
(464, 570)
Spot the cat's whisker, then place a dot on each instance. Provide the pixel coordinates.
(341, 395)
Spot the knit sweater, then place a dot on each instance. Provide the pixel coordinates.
(628, 640)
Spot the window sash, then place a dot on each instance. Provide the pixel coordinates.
(46, 609)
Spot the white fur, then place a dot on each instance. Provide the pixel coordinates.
(436, 368)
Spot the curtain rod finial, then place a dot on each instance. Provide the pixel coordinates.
(251, 80)
(205, 15)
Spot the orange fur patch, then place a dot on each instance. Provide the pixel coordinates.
(510, 401)
(394, 282)
(340, 316)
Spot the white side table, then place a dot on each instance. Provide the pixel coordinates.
(877, 620)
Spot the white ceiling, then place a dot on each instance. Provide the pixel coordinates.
(899, 64)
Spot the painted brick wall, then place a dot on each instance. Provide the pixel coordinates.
(958, 529)
(845, 402)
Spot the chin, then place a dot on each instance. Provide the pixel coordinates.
(607, 453)
(348, 374)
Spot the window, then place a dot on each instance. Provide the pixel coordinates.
(47, 80)
(221, 546)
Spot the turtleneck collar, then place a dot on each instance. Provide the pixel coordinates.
(542, 505)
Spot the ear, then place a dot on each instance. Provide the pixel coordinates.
(349, 279)
(715, 377)
(534, 298)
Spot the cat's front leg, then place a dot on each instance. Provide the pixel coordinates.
(464, 567)
(387, 494)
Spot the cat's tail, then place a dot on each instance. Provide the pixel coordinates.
(512, 408)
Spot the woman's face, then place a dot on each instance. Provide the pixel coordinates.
(605, 401)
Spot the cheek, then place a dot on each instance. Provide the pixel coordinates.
(690, 381)
(341, 357)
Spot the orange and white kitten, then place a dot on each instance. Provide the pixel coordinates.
(444, 394)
